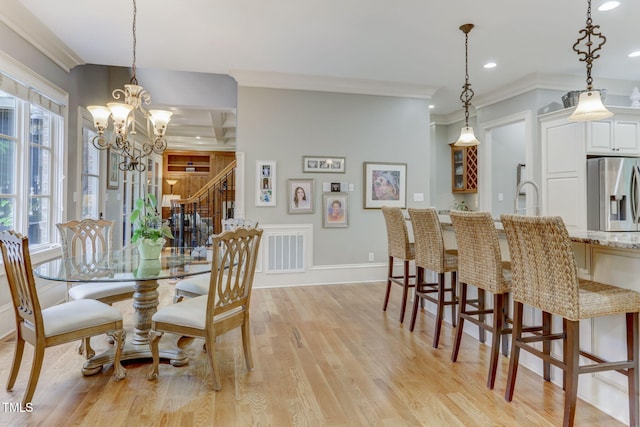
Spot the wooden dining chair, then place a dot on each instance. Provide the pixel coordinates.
(221, 310)
(85, 245)
(54, 325)
(399, 248)
(194, 286)
(431, 254)
(545, 277)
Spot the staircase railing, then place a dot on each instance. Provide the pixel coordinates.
(194, 219)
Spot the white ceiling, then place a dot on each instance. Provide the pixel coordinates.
(412, 44)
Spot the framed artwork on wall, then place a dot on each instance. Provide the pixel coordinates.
(335, 210)
(323, 164)
(300, 196)
(265, 183)
(385, 184)
(113, 173)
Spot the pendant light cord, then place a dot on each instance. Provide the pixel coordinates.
(134, 79)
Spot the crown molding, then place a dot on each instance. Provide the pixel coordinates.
(15, 16)
(533, 81)
(331, 84)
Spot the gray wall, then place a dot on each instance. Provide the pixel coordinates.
(284, 125)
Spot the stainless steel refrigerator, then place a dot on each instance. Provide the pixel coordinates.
(613, 194)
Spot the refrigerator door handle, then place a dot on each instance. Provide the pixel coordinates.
(635, 181)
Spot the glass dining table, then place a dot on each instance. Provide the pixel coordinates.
(125, 266)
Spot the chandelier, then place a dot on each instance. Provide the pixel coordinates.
(467, 137)
(124, 120)
(590, 105)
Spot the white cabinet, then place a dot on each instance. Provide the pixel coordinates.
(617, 136)
(563, 169)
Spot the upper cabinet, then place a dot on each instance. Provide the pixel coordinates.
(464, 169)
(616, 136)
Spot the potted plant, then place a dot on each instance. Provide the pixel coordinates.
(147, 228)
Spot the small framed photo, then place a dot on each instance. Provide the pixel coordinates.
(335, 208)
(323, 164)
(113, 176)
(385, 184)
(265, 183)
(300, 196)
(335, 187)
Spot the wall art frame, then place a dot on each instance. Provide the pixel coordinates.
(266, 183)
(300, 195)
(335, 210)
(113, 172)
(385, 184)
(323, 164)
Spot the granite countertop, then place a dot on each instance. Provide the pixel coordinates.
(618, 239)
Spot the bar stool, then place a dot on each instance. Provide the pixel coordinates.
(480, 264)
(399, 248)
(432, 255)
(545, 277)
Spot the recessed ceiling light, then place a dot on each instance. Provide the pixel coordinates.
(490, 65)
(432, 106)
(197, 137)
(608, 5)
(634, 54)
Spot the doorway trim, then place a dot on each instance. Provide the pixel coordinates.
(485, 154)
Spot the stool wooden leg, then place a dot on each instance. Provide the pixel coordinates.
(498, 302)
(546, 345)
(572, 358)
(405, 290)
(439, 310)
(505, 322)
(454, 287)
(633, 381)
(389, 275)
(414, 312)
(481, 317)
(515, 351)
(461, 310)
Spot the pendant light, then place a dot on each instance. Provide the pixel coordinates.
(467, 137)
(590, 105)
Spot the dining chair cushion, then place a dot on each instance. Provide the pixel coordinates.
(198, 285)
(98, 290)
(190, 313)
(73, 315)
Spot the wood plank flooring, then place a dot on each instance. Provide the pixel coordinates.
(324, 356)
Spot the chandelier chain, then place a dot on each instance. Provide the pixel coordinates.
(591, 47)
(467, 93)
(134, 79)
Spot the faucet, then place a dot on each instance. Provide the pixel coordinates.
(519, 188)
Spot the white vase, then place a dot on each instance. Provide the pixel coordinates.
(151, 249)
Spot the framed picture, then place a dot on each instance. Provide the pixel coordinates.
(385, 184)
(113, 173)
(300, 199)
(265, 183)
(323, 164)
(335, 187)
(335, 210)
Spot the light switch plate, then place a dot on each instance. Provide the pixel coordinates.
(418, 197)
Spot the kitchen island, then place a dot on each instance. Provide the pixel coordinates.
(607, 257)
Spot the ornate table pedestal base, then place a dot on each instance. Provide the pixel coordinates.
(145, 304)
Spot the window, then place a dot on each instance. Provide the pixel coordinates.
(90, 176)
(30, 148)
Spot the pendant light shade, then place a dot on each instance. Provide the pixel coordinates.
(589, 108)
(467, 137)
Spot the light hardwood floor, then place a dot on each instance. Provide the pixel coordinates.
(324, 356)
